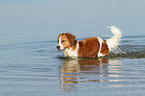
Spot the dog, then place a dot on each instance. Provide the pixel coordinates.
(90, 47)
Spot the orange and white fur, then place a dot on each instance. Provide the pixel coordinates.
(90, 47)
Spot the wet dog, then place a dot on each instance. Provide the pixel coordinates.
(90, 47)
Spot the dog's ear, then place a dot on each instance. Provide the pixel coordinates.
(71, 38)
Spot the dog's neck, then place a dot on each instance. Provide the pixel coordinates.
(72, 51)
(74, 45)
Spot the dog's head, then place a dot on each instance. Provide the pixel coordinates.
(65, 40)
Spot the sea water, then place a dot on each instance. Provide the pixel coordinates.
(30, 64)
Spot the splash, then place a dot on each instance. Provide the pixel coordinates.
(129, 51)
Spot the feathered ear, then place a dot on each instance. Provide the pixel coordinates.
(71, 38)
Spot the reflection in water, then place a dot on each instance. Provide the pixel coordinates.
(74, 71)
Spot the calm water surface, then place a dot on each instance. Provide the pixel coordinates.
(30, 64)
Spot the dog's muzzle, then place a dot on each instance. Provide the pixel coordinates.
(58, 47)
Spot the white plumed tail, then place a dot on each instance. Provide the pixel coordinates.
(114, 41)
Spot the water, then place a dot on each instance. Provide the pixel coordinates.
(30, 64)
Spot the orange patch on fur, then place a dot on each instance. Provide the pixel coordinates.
(89, 47)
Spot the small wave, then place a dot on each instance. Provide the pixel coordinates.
(130, 51)
(128, 55)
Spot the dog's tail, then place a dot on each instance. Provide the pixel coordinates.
(114, 41)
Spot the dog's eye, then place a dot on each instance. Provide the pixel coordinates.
(63, 40)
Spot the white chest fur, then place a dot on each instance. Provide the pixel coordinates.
(71, 52)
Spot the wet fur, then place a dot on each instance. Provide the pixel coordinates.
(89, 47)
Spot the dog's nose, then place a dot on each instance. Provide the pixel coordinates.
(58, 47)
